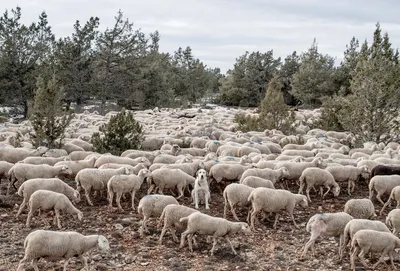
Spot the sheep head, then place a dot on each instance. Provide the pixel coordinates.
(103, 243)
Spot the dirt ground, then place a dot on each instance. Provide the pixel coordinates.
(267, 249)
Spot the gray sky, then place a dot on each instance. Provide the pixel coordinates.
(218, 31)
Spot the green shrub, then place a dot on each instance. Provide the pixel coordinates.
(122, 132)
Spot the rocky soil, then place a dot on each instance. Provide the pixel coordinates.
(268, 249)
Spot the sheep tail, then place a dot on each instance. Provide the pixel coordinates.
(250, 198)
(184, 219)
(78, 183)
(161, 219)
(21, 190)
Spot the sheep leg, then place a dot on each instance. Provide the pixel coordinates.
(294, 222)
(252, 218)
(362, 259)
(66, 263)
(57, 215)
(180, 191)
(87, 195)
(371, 193)
(352, 258)
(174, 237)
(378, 197)
(381, 258)
(350, 184)
(150, 189)
(183, 237)
(133, 199)
(110, 198)
(233, 212)
(386, 205)
(214, 244)
(301, 188)
(21, 207)
(28, 220)
(162, 234)
(118, 199)
(34, 264)
(326, 193)
(230, 243)
(190, 236)
(276, 220)
(84, 260)
(308, 193)
(315, 233)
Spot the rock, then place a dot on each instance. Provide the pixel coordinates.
(117, 234)
(145, 263)
(97, 257)
(129, 259)
(118, 226)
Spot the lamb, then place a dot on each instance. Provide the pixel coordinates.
(373, 241)
(14, 155)
(393, 220)
(355, 225)
(296, 169)
(46, 200)
(383, 184)
(314, 176)
(52, 184)
(394, 195)
(199, 223)
(274, 201)
(96, 179)
(236, 195)
(153, 206)
(255, 182)
(51, 161)
(360, 208)
(120, 184)
(21, 172)
(171, 215)
(270, 174)
(77, 166)
(384, 170)
(169, 178)
(348, 173)
(52, 245)
(326, 224)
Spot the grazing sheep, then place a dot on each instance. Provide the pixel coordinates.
(382, 184)
(53, 245)
(360, 208)
(393, 220)
(79, 155)
(14, 155)
(394, 195)
(230, 172)
(373, 241)
(355, 225)
(96, 179)
(104, 159)
(171, 215)
(134, 170)
(236, 195)
(297, 168)
(69, 148)
(199, 223)
(51, 161)
(384, 170)
(46, 200)
(274, 201)
(170, 179)
(318, 177)
(302, 153)
(269, 174)
(4, 169)
(326, 224)
(120, 184)
(52, 184)
(188, 168)
(56, 153)
(137, 153)
(77, 166)
(168, 159)
(255, 182)
(153, 206)
(348, 173)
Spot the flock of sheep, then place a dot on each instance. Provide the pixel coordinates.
(199, 154)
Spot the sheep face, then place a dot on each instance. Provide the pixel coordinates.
(303, 202)
(245, 228)
(336, 191)
(77, 197)
(285, 172)
(66, 170)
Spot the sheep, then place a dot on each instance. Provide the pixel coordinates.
(52, 184)
(382, 184)
(55, 153)
(255, 182)
(51, 161)
(394, 195)
(188, 168)
(360, 208)
(355, 225)
(69, 148)
(46, 200)
(274, 201)
(258, 145)
(296, 169)
(191, 151)
(52, 245)
(152, 206)
(387, 161)
(104, 159)
(326, 224)
(83, 144)
(120, 184)
(14, 155)
(137, 153)
(393, 219)
(169, 178)
(348, 173)
(77, 166)
(21, 172)
(373, 241)
(79, 155)
(96, 179)
(167, 159)
(302, 153)
(4, 169)
(270, 174)
(135, 169)
(384, 170)
(246, 150)
(236, 195)
(314, 176)
(171, 215)
(199, 223)
(230, 172)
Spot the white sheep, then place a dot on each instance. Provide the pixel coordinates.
(52, 184)
(266, 173)
(199, 223)
(274, 201)
(46, 200)
(393, 220)
(52, 245)
(355, 225)
(236, 195)
(326, 224)
(230, 172)
(255, 182)
(394, 195)
(120, 184)
(188, 168)
(373, 241)
(153, 206)
(348, 173)
(171, 215)
(14, 155)
(382, 184)
(170, 179)
(360, 208)
(51, 161)
(318, 177)
(4, 169)
(297, 168)
(134, 170)
(104, 159)
(96, 179)
(77, 166)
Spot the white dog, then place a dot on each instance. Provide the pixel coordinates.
(201, 188)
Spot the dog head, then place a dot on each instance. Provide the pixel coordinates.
(201, 174)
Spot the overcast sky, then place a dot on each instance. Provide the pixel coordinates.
(218, 31)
